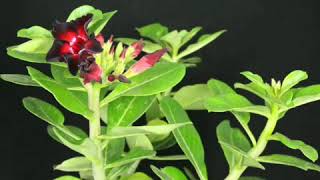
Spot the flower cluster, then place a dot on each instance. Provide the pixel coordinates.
(95, 59)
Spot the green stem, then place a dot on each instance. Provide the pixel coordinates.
(95, 130)
(258, 149)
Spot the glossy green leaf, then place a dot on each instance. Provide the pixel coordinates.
(137, 176)
(132, 156)
(293, 79)
(120, 132)
(139, 142)
(63, 76)
(254, 78)
(34, 50)
(159, 173)
(62, 95)
(161, 77)
(154, 111)
(255, 109)
(149, 47)
(306, 95)
(289, 161)
(226, 102)
(153, 31)
(307, 150)
(75, 164)
(165, 144)
(187, 136)
(67, 178)
(125, 110)
(192, 97)
(202, 41)
(235, 146)
(79, 12)
(174, 173)
(123, 171)
(218, 87)
(190, 35)
(255, 89)
(114, 150)
(85, 146)
(97, 27)
(174, 39)
(169, 158)
(48, 113)
(157, 137)
(34, 32)
(20, 79)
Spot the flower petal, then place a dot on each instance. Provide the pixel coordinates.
(147, 61)
(93, 74)
(93, 46)
(54, 53)
(73, 63)
(138, 46)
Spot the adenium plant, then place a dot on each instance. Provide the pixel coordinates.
(115, 81)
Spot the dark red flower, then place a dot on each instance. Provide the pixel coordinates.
(73, 44)
(90, 71)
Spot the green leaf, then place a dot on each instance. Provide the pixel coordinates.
(20, 79)
(123, 171)
(137, 176)
(120, 132)
(161, 77)
(62, 75)
(75, 164)
(289, 161)
(254, 78)
(154, 111)
(307, 150)
(159, 173)
(174, 173)
(253, 88)
(157, 137)
(98, 26)
(165, 144)
(305, 95)
(75, 133)
(62, 95)
(80, 11)
(153, 31)
(125, 110)
(85, 146)
(190, 35)
(226, 102)
(132, 156)
(202, 41)
(255, 109)
(67, 178)
(192, 97)
(48, 113)
(293, 79)
(34, 50)
(219, 87)
(174, 39)
(140, 142)
(34, 32)
(169, 158)
(114, 150)
(187, 136)
(148, 46)
(235, 145)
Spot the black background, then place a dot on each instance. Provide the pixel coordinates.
(267, 37)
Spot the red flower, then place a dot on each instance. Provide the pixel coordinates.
(73, 44)
(90, 71)
(147, 62)
(138, 46)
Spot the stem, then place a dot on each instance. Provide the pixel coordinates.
(95, 130)
(258, 149)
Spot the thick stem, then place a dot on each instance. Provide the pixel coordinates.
(258, 149)
(95, 129)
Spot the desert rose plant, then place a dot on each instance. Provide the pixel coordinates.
(113, 82)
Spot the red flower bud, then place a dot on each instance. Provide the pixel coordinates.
(90, 71)
(147, 61)
(138, 46)
(100, 39)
